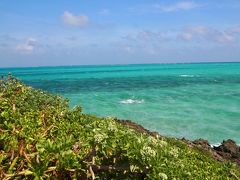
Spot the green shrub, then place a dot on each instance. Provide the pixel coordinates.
(41, 137)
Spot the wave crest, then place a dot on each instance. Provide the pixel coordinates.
(186, 75)
(132, 101)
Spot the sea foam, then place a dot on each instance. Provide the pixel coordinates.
(215, 145)
(132, 101)
(218, 144)
(186, 75)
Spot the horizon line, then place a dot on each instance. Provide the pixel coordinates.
(124, 64)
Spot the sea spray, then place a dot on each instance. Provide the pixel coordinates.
(132, 101)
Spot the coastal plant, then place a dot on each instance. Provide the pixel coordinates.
(41, 137)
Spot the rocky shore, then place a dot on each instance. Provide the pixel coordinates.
(41, 137)
(227, 151)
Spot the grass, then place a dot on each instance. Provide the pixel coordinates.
(42, 138)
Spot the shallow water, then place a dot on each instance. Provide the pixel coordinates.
(180, 100)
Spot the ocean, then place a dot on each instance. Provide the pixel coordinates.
(178, 100)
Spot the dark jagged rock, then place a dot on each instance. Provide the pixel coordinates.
(229, 146)
(229, 150)
(202, 143)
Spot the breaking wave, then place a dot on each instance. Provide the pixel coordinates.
(186, 75)
(132, 101)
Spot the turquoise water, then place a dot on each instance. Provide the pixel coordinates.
(179, 100)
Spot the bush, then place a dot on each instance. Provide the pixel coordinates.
(41, 137)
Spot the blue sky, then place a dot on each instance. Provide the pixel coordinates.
(80, 32)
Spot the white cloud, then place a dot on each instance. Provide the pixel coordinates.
(207, 33)
(186, 36)
(148, 36)
(184, 5)
(190, 33)
(75, 20)
(164, 7)
(146, 42)
(180, 6)
(224, 37)
(28, 46)
(153, 43)
(234, 30)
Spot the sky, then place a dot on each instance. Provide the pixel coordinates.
(87, 32)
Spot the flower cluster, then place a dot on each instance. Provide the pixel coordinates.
(162, 143)
(112, 127)
(100, 137)
(174, 152)
(148, 152)
(162, 176)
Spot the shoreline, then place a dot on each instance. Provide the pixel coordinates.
(43, 137)
(227, 150)
(152, 98)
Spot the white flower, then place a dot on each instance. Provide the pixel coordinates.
(148, 151)
(100, 137)
(133, 168)
(163, 176)
(152, 140)
(174, 152)
(162, 143)
(112, 127)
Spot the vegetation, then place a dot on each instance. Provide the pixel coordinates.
(42, 138)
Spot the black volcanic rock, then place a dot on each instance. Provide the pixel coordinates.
(229, 150)
(203, 143)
